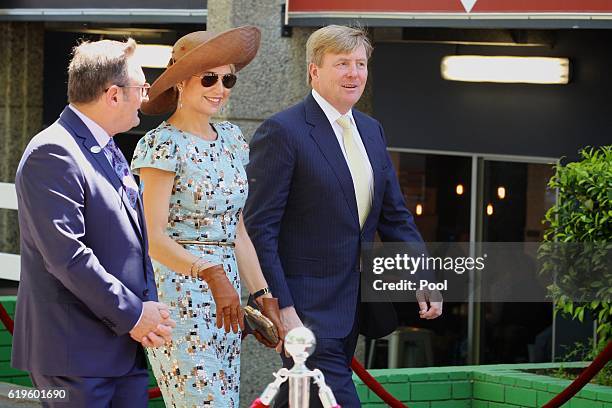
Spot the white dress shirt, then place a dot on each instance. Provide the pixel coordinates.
(96, 130)
(332, 115)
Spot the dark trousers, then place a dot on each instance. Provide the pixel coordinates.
(333, 357)
(127, 391)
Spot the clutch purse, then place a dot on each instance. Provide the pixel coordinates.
(264, 326)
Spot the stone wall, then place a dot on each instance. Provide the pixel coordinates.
(21, 71)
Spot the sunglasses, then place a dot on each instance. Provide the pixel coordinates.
(210, 78)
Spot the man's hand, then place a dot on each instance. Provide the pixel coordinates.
(290, 320)
(434, 298)
(155, 325)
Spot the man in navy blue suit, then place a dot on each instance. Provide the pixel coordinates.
(87, 301)
(321, 184)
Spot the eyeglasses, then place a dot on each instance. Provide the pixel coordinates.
(208, 79)
(144, 89)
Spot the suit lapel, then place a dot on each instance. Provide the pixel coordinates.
(70, 119)
(324, 136)
(141, 222)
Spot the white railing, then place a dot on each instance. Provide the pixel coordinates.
(10, 264)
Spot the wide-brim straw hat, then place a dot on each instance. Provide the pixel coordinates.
(196, 52)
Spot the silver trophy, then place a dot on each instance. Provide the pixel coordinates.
(299, 343)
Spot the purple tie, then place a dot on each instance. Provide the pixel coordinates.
(123, 171)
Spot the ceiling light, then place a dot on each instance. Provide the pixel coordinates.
(530, 70)
(419, 209)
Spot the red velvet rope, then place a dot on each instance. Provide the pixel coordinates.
(585, 376)
(258, 404)
(154, 393)
(6, 319)
(375, 385)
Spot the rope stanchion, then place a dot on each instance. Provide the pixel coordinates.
(375, 385)
(585, 376)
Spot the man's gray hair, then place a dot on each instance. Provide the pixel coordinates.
(337, 40)
(97, 65)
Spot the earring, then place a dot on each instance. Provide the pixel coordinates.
(180, 95)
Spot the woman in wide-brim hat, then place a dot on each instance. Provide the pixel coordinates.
(194, 187)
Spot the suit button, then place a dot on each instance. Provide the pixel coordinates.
(145, 292)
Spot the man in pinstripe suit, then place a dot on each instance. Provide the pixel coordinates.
(321, 184)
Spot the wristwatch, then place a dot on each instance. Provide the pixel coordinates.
(261, 292)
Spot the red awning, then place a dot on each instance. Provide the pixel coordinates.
(453, 13)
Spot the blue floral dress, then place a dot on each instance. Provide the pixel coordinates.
(201, 367)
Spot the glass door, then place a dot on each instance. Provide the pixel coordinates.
(515, 198)
(437, 190)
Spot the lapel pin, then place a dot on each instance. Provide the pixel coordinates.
(95, 149)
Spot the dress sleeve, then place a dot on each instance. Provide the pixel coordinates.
(157, 149)
(238, 144)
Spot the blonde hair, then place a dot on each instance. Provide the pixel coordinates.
(97, 65)
(335, 39)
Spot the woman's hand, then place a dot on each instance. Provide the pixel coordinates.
(227, 301)
(269, 308)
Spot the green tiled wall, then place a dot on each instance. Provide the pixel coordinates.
(487, 386)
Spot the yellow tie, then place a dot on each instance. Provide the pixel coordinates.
(358, 168)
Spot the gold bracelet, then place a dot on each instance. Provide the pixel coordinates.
(193, 265)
